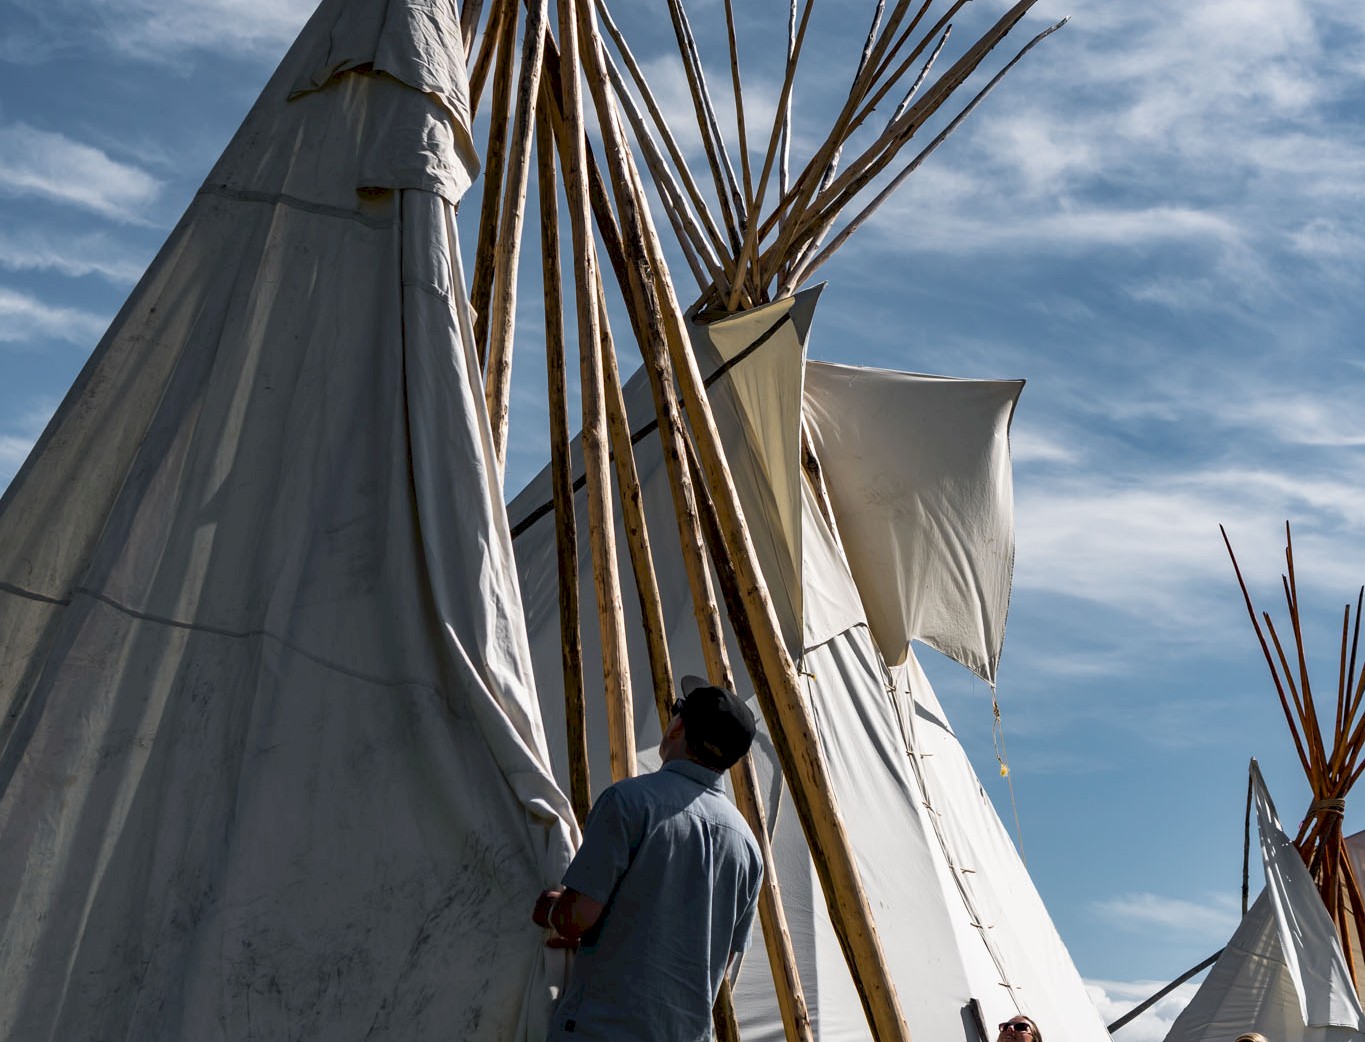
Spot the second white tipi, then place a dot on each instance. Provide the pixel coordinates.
(908, 535)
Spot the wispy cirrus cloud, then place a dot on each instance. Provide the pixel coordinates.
(1219, 126)
(1211, 919)
(14, 448)
(1032, 446)
(1149, 547)
(74, 256)
(147, 31)
(19, 434)
(40, 163)
(24, 319)
(245, 26)
(1115, 998)
(1073, 229)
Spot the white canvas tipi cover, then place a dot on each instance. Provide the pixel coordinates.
(966, 935)
(1283, 972)
(270, 758)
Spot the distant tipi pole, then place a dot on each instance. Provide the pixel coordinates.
(1329, 749)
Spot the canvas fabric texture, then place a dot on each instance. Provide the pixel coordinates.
(1283, 972)
(944, 893)
(271, 763)
(924, 494)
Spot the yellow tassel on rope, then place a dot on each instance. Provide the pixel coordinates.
(1002, 758)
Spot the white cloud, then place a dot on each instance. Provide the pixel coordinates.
(1325, 239)
(17, 437)
(150, 31)
(1115, 998)
(1148, 546)
(1214, 127)
(143, 27)
(1176, 293)
(1301, 419)
(970, 214)
(1028, 446)
(51, 166)
(1132, 548)
(24, 318)
(74, 256)
(1046, 153)
(13, 450)
(1211, 919)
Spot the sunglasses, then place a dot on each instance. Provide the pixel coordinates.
(1019, 1026)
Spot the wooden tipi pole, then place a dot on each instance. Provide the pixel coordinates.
(791, 1000)
(502, 318)
(561, 476)
(789, 720)
(778, 687)
(606, 581)
(495, 156)
(744, 778)
(1330, 775)
(637, 531)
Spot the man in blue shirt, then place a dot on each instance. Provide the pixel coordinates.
(661, 895)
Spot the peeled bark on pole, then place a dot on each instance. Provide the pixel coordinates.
(494, 160)
(483, 61)
(674, 440)
(797, 744)
(637, 531)
(561, 479)
(791, 999)
(498, 370)
(723, 1017)
(671, 433)
(469, 23)
(776, 934)
(606, 582)
(778, 688)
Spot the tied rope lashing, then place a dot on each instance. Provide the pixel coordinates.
(1324, 808)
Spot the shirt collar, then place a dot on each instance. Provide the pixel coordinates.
(699, 774)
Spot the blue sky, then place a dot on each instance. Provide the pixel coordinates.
(1156, 220)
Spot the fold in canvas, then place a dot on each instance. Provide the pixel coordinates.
(918, 471)
(271, 763)
(940, 940)
(1283, 972)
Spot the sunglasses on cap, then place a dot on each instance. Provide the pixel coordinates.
(1019, 1026)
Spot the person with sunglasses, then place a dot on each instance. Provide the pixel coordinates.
(1020, 1029)
(660, 898)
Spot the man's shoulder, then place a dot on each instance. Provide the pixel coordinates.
(641, 786)
(671, 791)
(735, 822)
(654, 784)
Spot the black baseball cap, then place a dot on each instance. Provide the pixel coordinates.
(719, 726)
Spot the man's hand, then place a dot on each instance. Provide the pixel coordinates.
(545, 904)
(540, 915)
(568, 913)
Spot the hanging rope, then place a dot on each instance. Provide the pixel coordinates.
(1246, 847)
(1002, 758)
